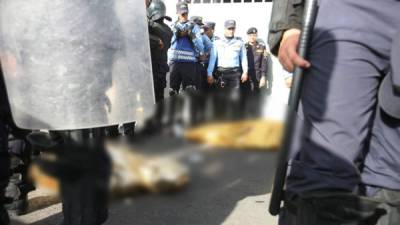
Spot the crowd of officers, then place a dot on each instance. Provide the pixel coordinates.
(198, 60)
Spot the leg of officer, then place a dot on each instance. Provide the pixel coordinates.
(84, 187)
(175, 77)
(190, 75)
(4, 171)
(231, 79)
(159, 85)
(381, 168)
(339, 94)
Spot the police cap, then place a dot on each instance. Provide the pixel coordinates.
(230, 24)
(209, 25)
(197, 20)
(252, 30)
(182, 8)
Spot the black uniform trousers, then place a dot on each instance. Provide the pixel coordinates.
(160, 69)
(185, 74)
(229, 78)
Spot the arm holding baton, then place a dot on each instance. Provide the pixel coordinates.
(310, 12)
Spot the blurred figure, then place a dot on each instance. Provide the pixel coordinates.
(18, 159)
(20, 155)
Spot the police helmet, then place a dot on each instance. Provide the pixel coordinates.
(157, 10)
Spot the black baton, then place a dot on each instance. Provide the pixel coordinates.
(310, 13)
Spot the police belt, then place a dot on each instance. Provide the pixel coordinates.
(228, 70)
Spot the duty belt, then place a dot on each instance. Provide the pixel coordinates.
(224, 70)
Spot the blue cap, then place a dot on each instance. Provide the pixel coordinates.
(230, 24)
(209, 25)
(197, 20)
(182, 8)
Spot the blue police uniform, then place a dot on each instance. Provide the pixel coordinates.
(208, 44)
(186, 47)
(214, 38)
(230, 57)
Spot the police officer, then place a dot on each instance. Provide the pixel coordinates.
(19, 153)
(229, 54)
(259, 62)
(160, 41)
(158, 30)
(186, 50)
(206, 40)
(4, 156)
(209, 30)
(203, 64)
(343, 123)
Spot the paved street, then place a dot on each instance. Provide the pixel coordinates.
(226, 188)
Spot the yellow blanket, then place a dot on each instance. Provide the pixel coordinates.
(248, 134)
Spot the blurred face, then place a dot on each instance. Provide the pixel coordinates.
(147, 2)
(230, 32)
(183, 17)
(209, 32)
(252, 38)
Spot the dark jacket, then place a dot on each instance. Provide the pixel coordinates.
(5, 112)
(159, 56)
(286, 14)
(257, 60)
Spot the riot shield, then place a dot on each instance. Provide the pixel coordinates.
(73, 64)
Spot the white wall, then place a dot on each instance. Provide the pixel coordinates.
(246, 15)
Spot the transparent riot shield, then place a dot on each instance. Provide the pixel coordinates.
(73, 64)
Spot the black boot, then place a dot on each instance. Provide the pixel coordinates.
(85, 199)
(4, 219)
(4, 175)
(330, 208)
